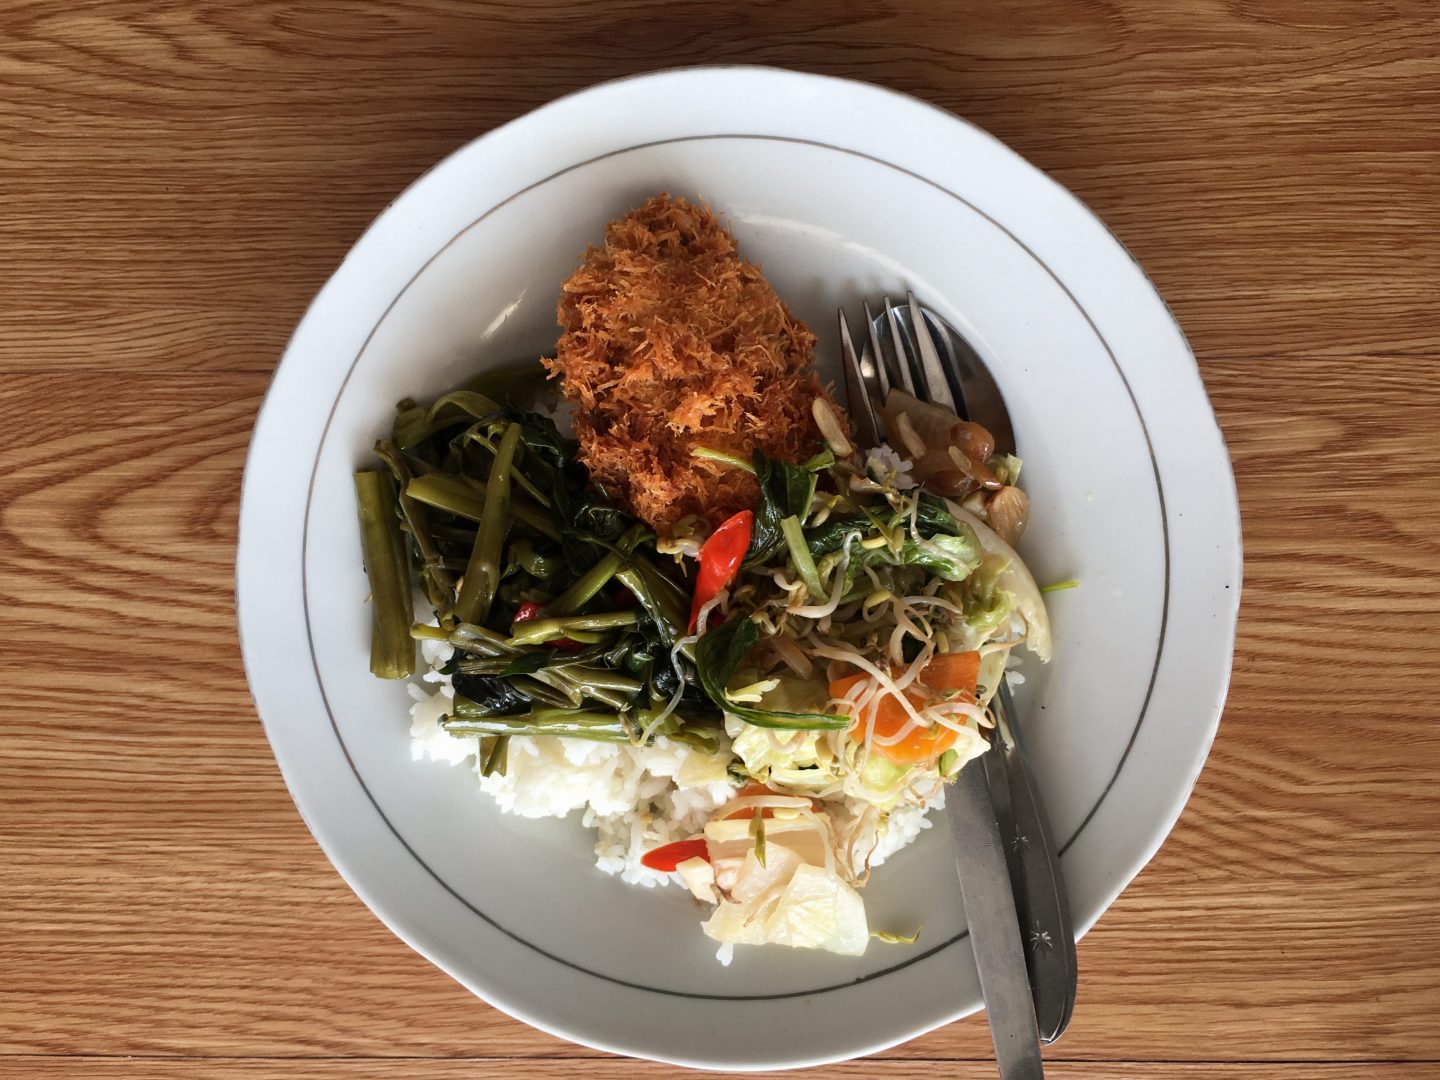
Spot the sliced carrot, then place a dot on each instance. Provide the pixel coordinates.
(840, 687)
(947, 672)
(953, 671)
(922, 744)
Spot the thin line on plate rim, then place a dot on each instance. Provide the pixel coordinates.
(310, 493)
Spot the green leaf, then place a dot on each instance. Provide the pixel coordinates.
(488, 695)
(952, 557)
(583, 515)
(785, 491)
(799, 489)
(414, 425)
(526, 664)
(718, 655)
(540, 565)
(831, 536)
(932, 518)
(543, 439)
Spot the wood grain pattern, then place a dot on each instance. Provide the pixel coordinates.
(467, 1068)
(180, 177)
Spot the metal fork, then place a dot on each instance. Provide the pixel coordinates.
(951, 374)
(912, 347)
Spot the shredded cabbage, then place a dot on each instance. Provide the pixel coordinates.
(1016, 580)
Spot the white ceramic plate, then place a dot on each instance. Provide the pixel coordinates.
(842, 191)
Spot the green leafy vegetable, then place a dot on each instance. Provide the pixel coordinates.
(525, 664)
(582, 515)
(718, 655)
(434, 573)
(494, 754)
(800, 555)
(619, 727)
(392, 652)
(482, 575)
(536, 631)
(785, 491)
(540, 565)
(932, 518)
(413, 424)
(516, 385)
(489, 695)
(831, 536)
(952, 557)
(598, 575)
(465, 498)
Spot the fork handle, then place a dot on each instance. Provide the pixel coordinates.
(1036, 879)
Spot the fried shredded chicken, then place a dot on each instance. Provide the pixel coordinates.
(672, 342)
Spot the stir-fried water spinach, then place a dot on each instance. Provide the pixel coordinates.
(563, 618)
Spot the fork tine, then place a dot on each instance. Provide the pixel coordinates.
(858, 390)
(932, 371)
(900, 373)
(882, 369)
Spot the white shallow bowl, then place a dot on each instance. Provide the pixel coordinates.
(842, 191)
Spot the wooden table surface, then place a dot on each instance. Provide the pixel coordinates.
(180, 176)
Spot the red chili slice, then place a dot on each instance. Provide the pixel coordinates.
(720, 559)
(668, 856)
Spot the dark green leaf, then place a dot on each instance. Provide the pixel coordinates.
(490, 695)
(799, 489)
(582, 511)
(693, 700)
(544, 440)
(831, 536)
(657, 596)
(932, 518)
(785, 491)
(526, 664)
(718, 655)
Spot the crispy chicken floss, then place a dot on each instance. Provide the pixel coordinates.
(674, 343)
